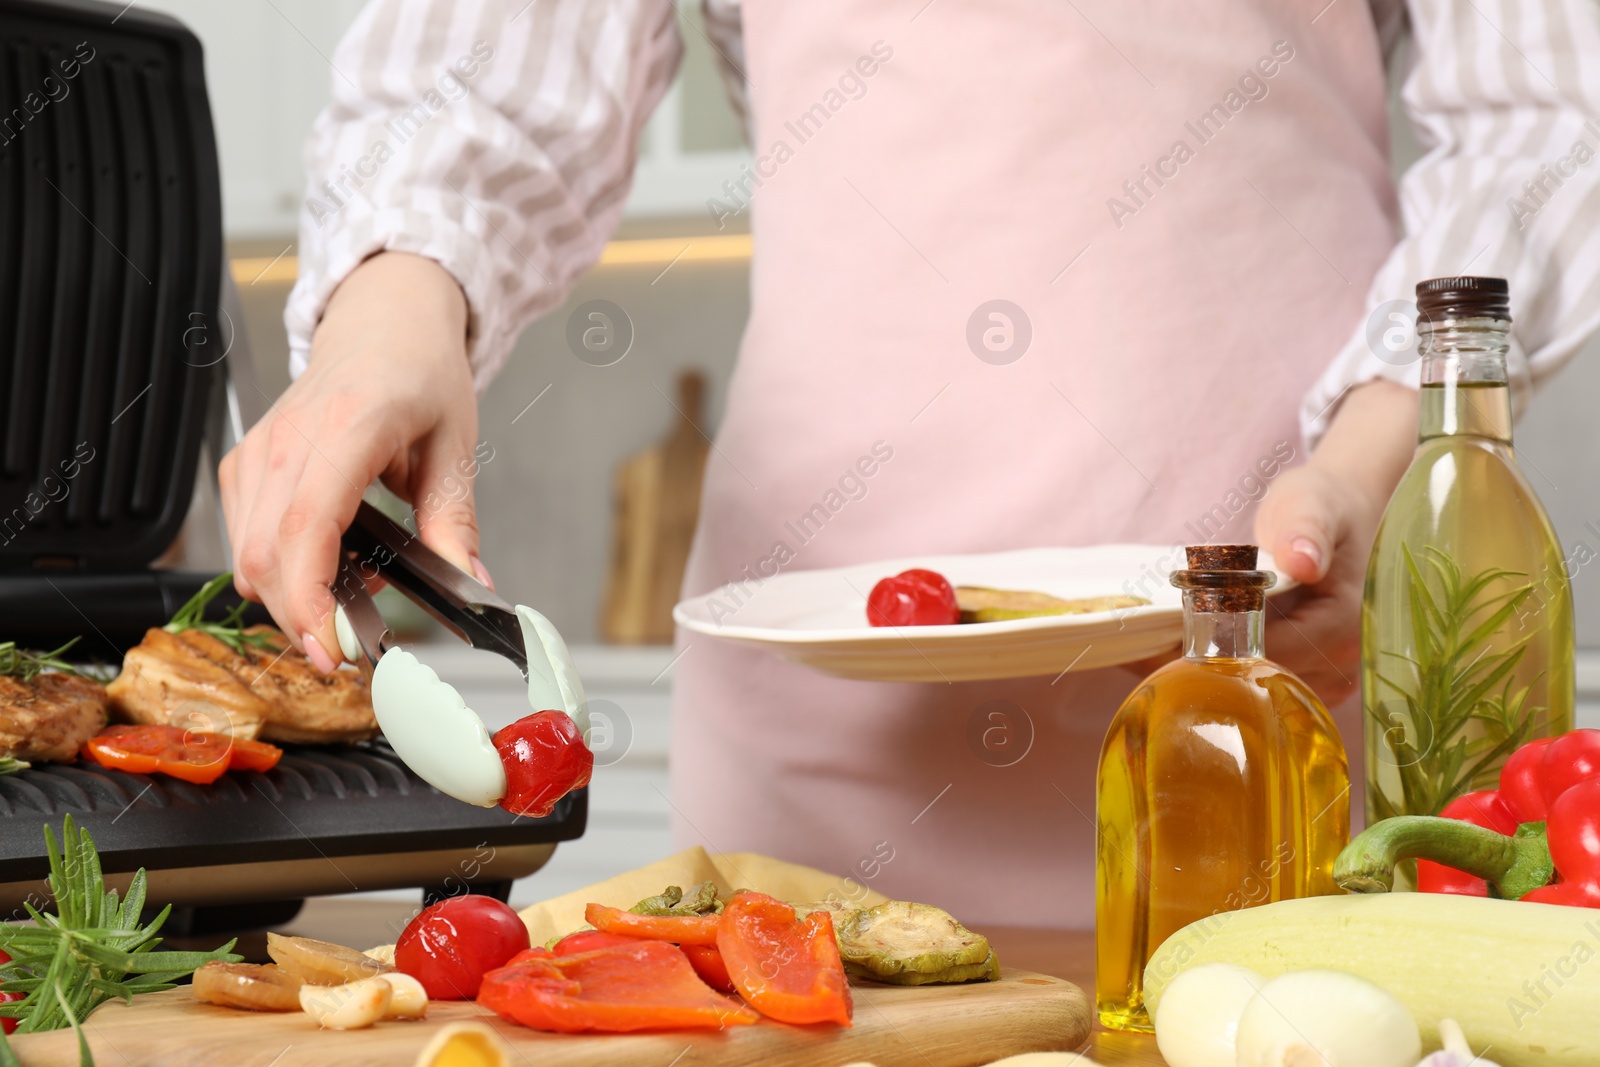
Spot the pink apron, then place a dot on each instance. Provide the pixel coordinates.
(1186, 201)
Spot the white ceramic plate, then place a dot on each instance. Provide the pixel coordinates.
(819, 617)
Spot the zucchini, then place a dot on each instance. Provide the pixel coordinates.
(1522, 979)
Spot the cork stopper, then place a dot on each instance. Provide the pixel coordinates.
(1221, 557)
(1223, 578)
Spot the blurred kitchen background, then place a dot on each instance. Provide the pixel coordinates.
(547, 499)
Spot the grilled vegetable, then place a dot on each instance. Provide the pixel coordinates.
(912, 944)
(451, 945)
(648, 985)
(250, 986)
(917, 597)
(699, 900)
(786, 967)
(351, 1006)
(1520, 972)
(678, 929)
(981, 604)
(321, 962)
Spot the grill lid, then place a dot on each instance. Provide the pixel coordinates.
(110, 265)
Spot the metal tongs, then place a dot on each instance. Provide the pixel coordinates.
(375, 546)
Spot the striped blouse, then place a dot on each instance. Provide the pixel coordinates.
(497, 137)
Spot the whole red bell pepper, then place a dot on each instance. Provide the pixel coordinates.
(1535, 838)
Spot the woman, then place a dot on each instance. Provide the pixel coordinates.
(1056, 274)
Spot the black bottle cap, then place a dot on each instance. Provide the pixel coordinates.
(1440, 299)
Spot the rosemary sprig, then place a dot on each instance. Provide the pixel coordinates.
(11, 765)
(92, 949)
(1454, 682)
(25, 665)
(229, 630)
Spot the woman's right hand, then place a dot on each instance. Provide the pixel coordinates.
(387, 394)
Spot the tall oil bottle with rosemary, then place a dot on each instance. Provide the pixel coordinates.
(1466, 622)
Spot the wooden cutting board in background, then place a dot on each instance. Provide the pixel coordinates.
(655, 503)
(895, 1026)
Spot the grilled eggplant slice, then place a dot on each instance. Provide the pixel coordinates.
(981, 604)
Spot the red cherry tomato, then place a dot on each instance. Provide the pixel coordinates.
(8, 1026)
(545, 759)
(916, 597)
(452, 945)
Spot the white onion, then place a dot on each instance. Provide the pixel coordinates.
(1197, 1021)
(1326, 1018)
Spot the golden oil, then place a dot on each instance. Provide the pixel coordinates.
(1222, 785)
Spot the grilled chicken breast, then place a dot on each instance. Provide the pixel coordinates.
(192, 679)
(49, 717)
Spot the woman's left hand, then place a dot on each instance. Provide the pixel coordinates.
(1318, 521)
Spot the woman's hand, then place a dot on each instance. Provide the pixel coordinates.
(1318, 521)
(388, 393)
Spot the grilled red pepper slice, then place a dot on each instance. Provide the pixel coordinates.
(192, 755)
(589, 941)
(710, 966)
(678, 929)
(648, 985)
(786, 967)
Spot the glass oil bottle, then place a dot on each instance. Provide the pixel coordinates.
(1222, 784)
(1466, 622)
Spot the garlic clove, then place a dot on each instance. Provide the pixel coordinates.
(351, 1006)
(1456, 1051)
(1197, 1021)
(407, 998)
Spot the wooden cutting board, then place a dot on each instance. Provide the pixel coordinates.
(656, 501)
(911, 1026)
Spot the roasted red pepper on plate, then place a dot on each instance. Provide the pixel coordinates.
(197, 756)
(648, 985)
(1536, 838)
(786, 967)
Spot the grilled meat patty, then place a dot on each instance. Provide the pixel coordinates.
(49, 717)
(190, 679)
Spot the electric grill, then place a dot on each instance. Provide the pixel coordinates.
(122, 361)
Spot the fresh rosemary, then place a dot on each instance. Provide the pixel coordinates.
(92, 949)
(25, 666)
(229, 629)
(1455, 681)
